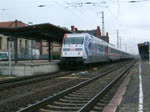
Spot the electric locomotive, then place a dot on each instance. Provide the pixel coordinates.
(83, 48)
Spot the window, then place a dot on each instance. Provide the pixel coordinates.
(73, 40)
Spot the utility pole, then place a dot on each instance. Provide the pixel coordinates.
(10, 40)
(149, 51)
(117, 38)
(126, 47)
(103, 26)
(9, 57)
(120, 42)
(103, 29)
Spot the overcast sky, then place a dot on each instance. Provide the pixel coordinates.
(132, 19)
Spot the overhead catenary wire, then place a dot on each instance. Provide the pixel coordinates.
(85, 12)
(75, 13)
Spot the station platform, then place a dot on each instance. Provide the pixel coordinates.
(27, 68)
(133, 95)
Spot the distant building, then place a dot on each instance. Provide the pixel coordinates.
(95, 32)
(12, 24)
(24, 45)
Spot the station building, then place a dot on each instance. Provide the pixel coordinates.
(24, 45)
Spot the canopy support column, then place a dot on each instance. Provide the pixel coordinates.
(16, 49)
(49, 51)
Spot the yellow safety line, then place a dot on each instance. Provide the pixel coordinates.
(74, 77)
(6, 77)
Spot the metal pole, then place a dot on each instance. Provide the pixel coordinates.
(117, 39)
(103, 29)
(16, 49)
(49, 51)
(9, 56)
(149, 52)
(103, 24)
(126, 46)
(31, 50)
(120, 43)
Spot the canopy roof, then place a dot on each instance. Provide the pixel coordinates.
(44, 31)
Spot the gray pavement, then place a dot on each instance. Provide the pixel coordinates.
(146, 85)
(130, 102)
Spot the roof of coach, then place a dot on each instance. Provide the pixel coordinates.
(112, 46)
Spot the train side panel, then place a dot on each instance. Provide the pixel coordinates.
(96, 50)
(114, 54)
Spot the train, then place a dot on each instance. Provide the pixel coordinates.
(83, 48)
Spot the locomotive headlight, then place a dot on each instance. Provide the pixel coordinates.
(64, 53)
(80, 53)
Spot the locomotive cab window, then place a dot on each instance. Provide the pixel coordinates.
(73, 40)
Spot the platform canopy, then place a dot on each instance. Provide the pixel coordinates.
(44, 31)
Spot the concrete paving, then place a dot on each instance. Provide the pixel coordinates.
(137, 97)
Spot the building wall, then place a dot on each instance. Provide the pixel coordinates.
(22, 43)
(55, 47)
(3, 43)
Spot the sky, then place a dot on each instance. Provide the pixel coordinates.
(130, 18)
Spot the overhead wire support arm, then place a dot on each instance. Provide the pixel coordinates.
(80, 4)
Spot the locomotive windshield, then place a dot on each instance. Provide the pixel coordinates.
(73, 40)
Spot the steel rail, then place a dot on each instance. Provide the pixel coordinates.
(46, 101)
(5, 84)
(94, 100)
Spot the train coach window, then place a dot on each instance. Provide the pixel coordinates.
(73, 40)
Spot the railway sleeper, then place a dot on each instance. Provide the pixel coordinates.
(77, 98)
(81, 96)
(67, 104)
(86, 94)
(71, 101)
(45, 110)
(53, 107)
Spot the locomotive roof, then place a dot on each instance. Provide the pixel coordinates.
(77, 33)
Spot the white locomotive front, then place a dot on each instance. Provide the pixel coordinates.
(82, 48)
(73, 49)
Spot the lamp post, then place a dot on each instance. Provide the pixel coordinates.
(10, 39)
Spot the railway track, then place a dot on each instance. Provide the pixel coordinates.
(22, 93)
(20, 81)
(82, 97)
